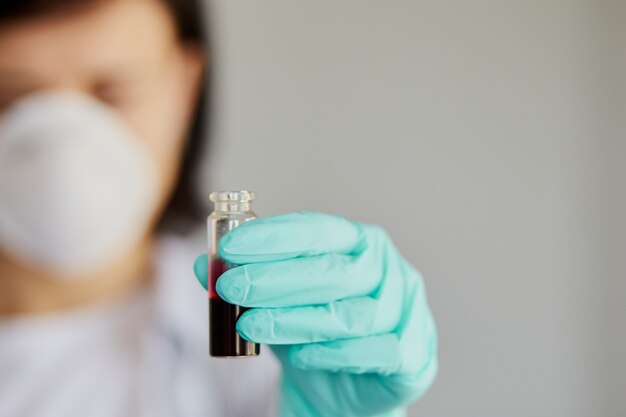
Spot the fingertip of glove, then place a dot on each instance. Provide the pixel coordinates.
(242, 324)
(304, 356)
(226, 248)
(294, 356)
(201, 269)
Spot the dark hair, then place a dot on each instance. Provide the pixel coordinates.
(184, 208)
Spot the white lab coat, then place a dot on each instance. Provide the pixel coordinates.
(145, 355)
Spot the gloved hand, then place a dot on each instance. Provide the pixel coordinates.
(343, 311)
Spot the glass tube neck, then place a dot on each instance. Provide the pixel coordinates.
(232, 207)
(232, 201)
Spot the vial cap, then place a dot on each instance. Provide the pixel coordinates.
(242, 196)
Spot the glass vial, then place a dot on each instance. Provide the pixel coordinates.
(231, 209)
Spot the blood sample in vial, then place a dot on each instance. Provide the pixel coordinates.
(231, 209)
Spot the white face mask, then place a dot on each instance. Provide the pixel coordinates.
(77, 188)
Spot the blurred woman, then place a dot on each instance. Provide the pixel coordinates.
(102, 106)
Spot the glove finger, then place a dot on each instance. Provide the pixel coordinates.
(379, 353)
(342, 319)
(301, 281)
(201, 269)
(416, 330)
(289, 236)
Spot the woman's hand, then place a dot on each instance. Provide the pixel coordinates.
(343, 311)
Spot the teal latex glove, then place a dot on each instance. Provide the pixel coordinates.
(343, 311)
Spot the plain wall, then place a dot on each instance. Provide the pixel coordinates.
(487, 137)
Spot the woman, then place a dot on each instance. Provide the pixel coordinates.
(99, 131)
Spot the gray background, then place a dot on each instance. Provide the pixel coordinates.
(487, 137)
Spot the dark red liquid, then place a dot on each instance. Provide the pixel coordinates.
(223, 337)
(216, 268)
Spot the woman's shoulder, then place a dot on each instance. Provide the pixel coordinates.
(180, 299)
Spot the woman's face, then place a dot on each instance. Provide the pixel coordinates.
(124, 53)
